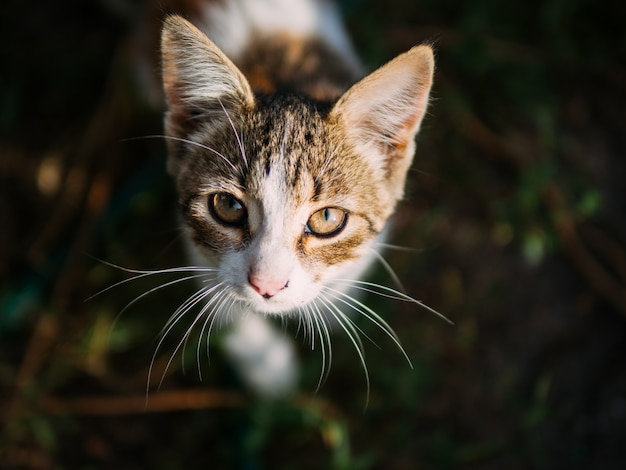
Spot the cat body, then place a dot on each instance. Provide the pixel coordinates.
(288, 166)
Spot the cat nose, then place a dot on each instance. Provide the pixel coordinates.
(267, 287)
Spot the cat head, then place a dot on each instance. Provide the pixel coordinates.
(282, 193)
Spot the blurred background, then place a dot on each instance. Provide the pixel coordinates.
(515, 218)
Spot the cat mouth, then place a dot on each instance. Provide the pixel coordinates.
(273, 305)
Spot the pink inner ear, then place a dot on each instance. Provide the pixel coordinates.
(386, 107)
(407, 129)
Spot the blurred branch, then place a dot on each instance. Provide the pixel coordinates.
(611, 287)
(405, 37)
(39, 345)
(610, 249)
(176, 400)
(45, 333)
(477, 132)
(610, 284)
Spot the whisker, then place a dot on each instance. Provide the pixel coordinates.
(345, 324)
(301, 326)
(220, 307)
(310, 316)
(351, 322)
(375, 318)
(218, 302)
(389, 246)
(147, 273)
(389, 269)
(185, 338)
(372, 291)
(228, 317)
(203, 312)
(242, 150)
(200, 336)
(182, 343)
(190, 303)
(320, 324)
(358, 331)
(305, 323)
(186, 141)
(174, 319)
(309, 332)
(391, 293)
(151, 291)
(209, 316)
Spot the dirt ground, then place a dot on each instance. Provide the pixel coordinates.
(514, 220)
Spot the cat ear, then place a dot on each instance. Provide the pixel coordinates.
(198, 79)
(382, 113)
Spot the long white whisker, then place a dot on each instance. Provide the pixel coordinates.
(222, 298)
(186, 141)
(389, 269)
(392, 294)
(242, 150)
(351, 323)
(325, 342)
(227, 306)
(147, 273)
(183, 342)
(348, 327)
(228, 298)
(372, 316)
(389, 246)
(145, 294)
(218, 302)
(159, 287)
(310, 330)
(209, 316)
(190, 303)
(203, 312)
(174, 319)
(373, 291)
(200, 336)
(305, 320)
(301, 323)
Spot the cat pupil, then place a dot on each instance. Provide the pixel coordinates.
(234, 204)
(328, 216)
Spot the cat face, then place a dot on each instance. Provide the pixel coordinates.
(294, 207)
(283, 194)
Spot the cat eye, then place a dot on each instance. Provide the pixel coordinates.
(327, 222)
(227, 209)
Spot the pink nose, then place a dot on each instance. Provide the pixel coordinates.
(267, 287)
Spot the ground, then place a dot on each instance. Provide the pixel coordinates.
(514, 218)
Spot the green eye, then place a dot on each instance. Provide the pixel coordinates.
(327, 222)
(227, 209)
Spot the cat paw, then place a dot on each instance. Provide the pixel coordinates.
(264, 358)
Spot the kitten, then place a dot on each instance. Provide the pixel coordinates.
(287, 169)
